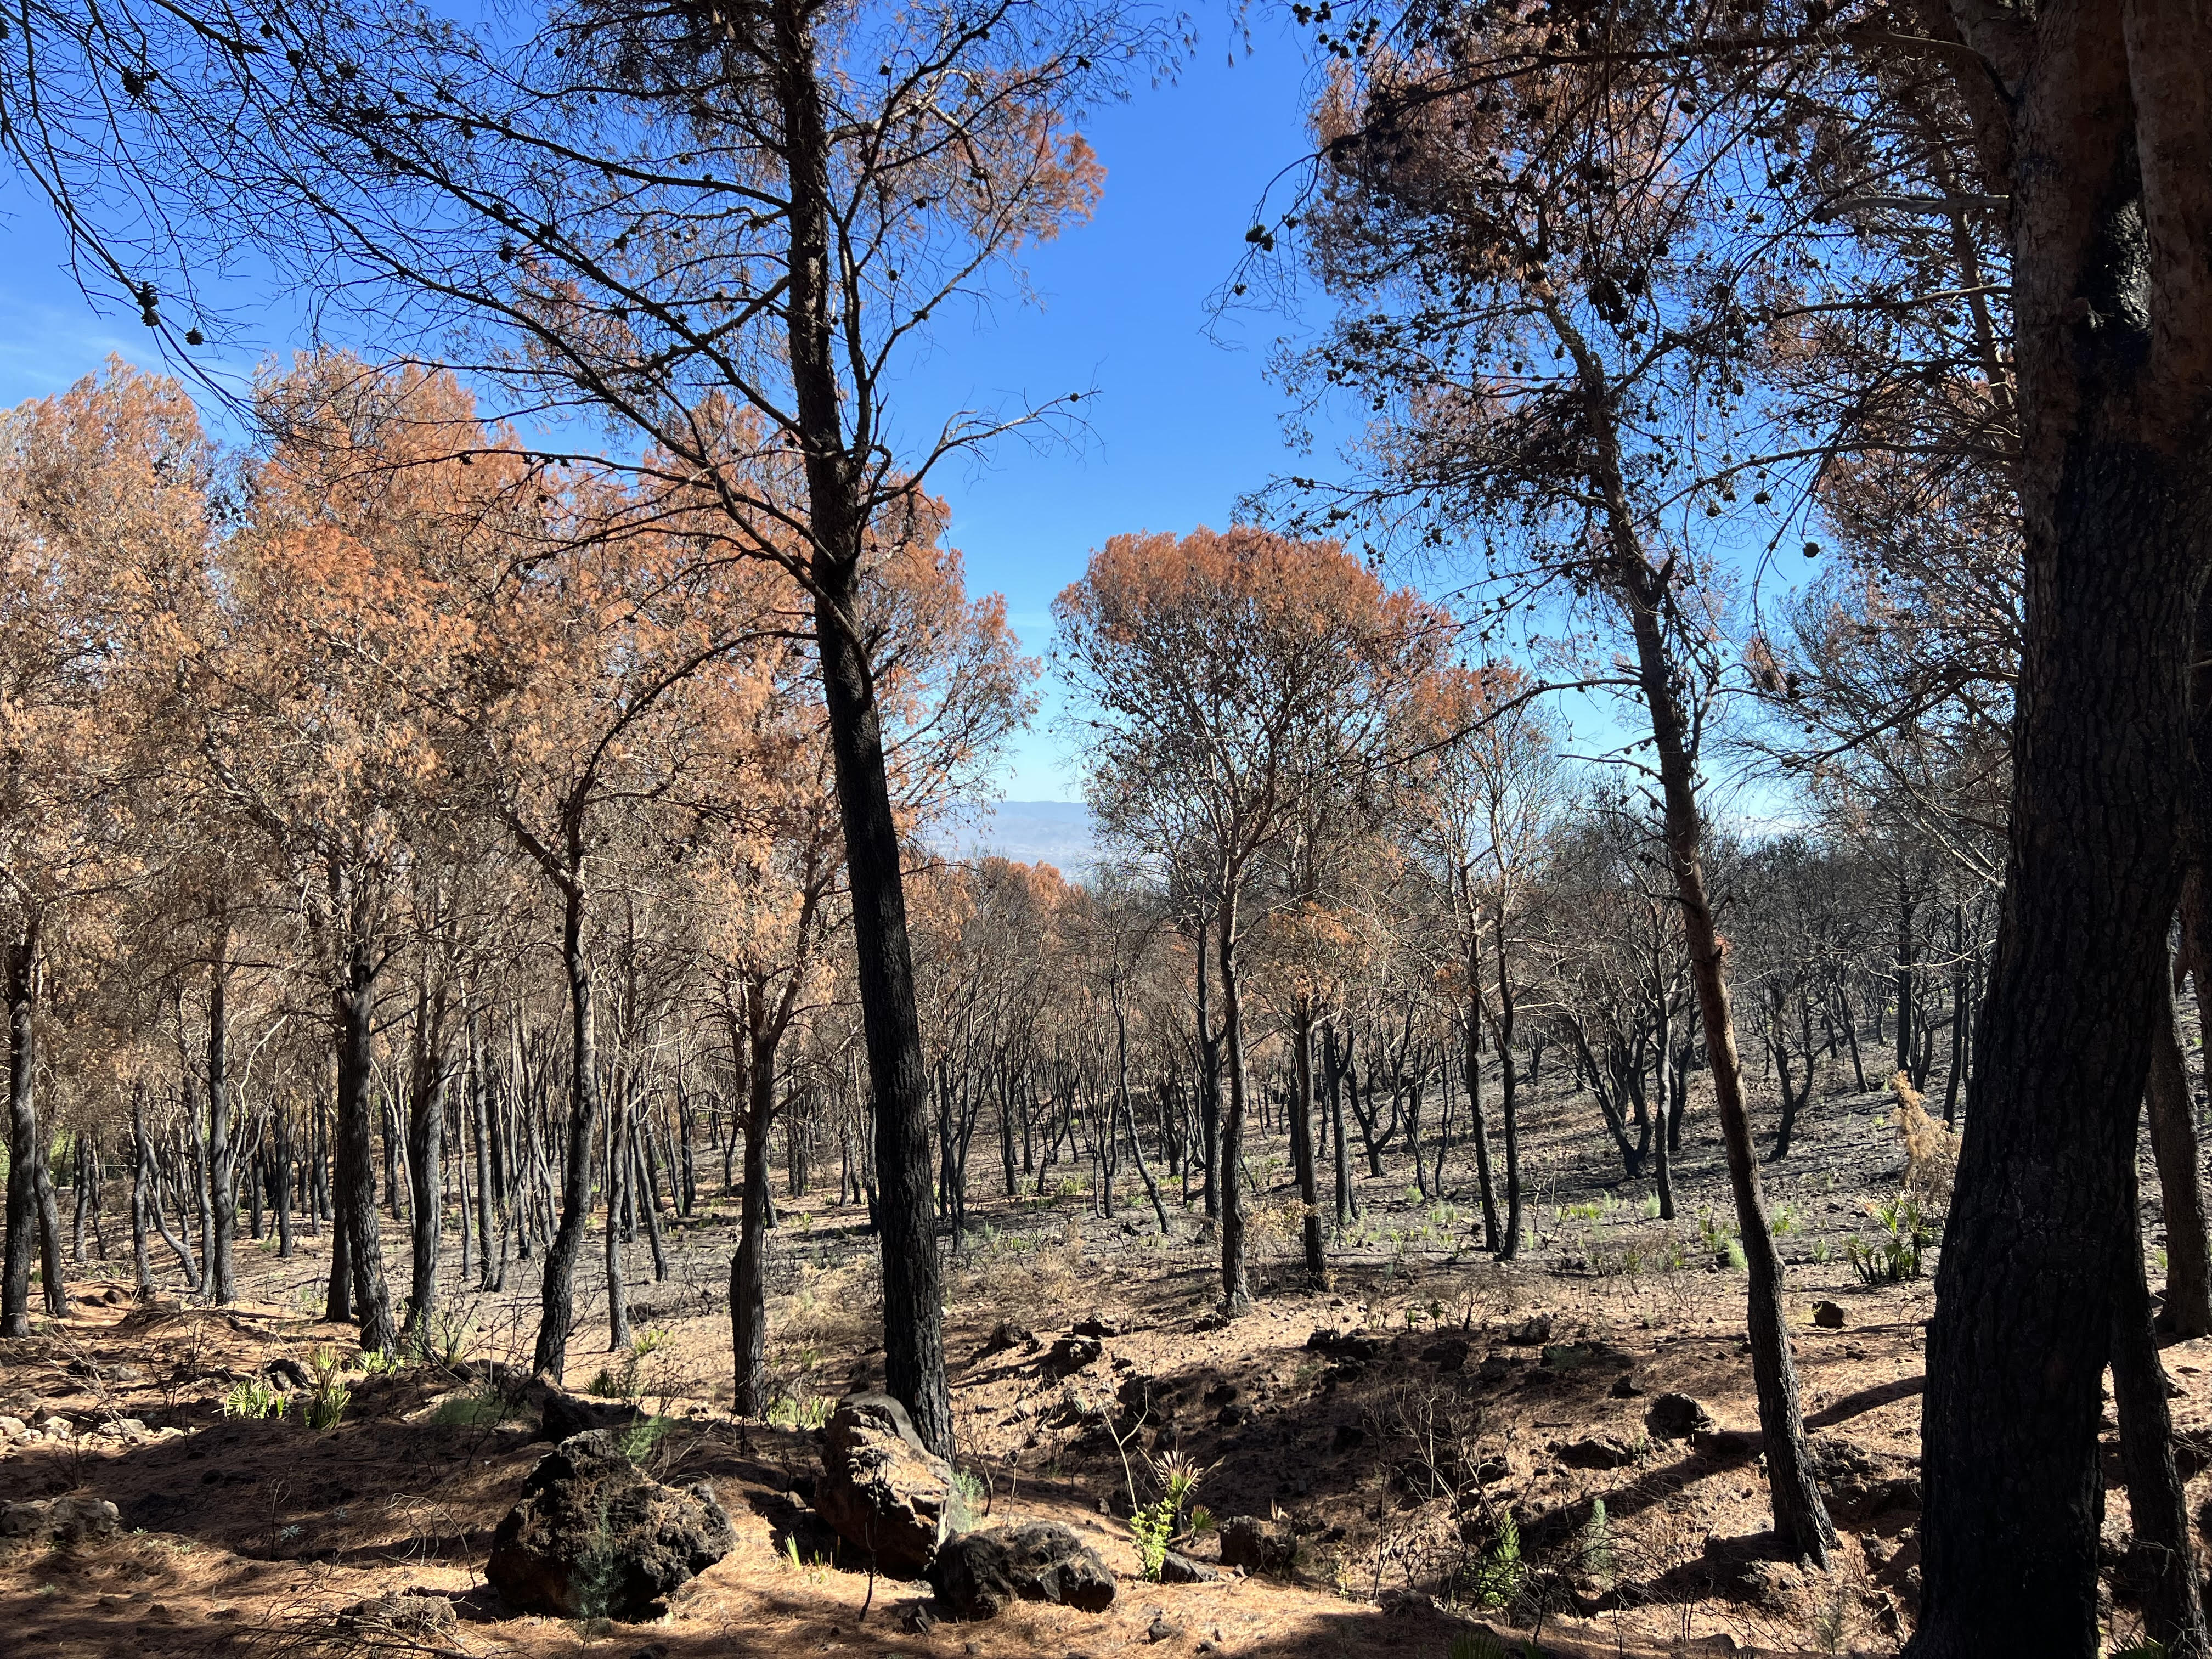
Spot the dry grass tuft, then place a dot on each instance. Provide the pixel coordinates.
(1931, 1151)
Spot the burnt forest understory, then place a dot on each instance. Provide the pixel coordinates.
(1386, 1429)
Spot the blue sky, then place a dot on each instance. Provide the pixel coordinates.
(1185, 420)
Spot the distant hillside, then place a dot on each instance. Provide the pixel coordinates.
(1057, 832)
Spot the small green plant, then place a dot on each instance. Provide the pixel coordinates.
(443, 1337)
(480, 1407)
(375, 1362)
(1831, 1619)
(327, 1394)
(1823, 1253)
(1174, 1516)
(814, 1569)
(1497, 1577)
(1474, 1644)
(1784, 1219)
(638, 1439)
(803, 1412)
(1722, 1244)
(629, 1383)
(252, 1400)
(1907, 1232)
(1596, 1544)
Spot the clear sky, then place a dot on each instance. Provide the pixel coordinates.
(1185, 420)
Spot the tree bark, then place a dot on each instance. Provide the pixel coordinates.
(26, 1150)
(2188, 1309)
(2163, 1559)
(1236, 1288)
(370, 1301)
(749, 1265)
(556, 1315)
(1302, 1145)
(426, 1157)
(1800, 1519)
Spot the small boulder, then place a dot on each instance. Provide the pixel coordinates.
(1677, 1417)
(64, 1520)
(1626, 1386)
(595, 1536)
(980, 1574)
(1828, 1316)
(1176, 1568)
(1448, 1355)
(1268, 1549)
(1599, 1451)
(24, 1520)
(1531, 1332)
(881, 1489)
(563, 1416)
(419, 1616)
(1071, 1353)
(1005, 1336)
(1095, 1326)
(285, 1374)
(13, 1428)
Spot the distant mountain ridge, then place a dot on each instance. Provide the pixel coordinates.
(1055, 832)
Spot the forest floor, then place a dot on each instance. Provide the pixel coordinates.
(1452, 1391)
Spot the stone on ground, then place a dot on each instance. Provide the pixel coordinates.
(980, 1574)
(882, 1491)
(595, 1536)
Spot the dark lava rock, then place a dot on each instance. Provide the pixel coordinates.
(1828, 1316)
(980, 1574)
(1176, 1568)
(1531, 1332)
(1677, 1417)
(563, 1416)
(1071, 1353)
(1625, 1387)
(1600, 1451)
(425, 1615)
(1448, 1355)
(883, 1491)
(1268, 1549)
(595, 1536)
(1005, 1335)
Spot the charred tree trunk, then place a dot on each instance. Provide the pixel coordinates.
(1236, 1289)
(749, 1266)
(2188, 1309)
(556, 1317)
(369, 1300)
(1302, 1145)
(1800, 1519)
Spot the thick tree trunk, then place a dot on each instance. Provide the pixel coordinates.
(906, 1215)
(913, 1335)
(2091, 117)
